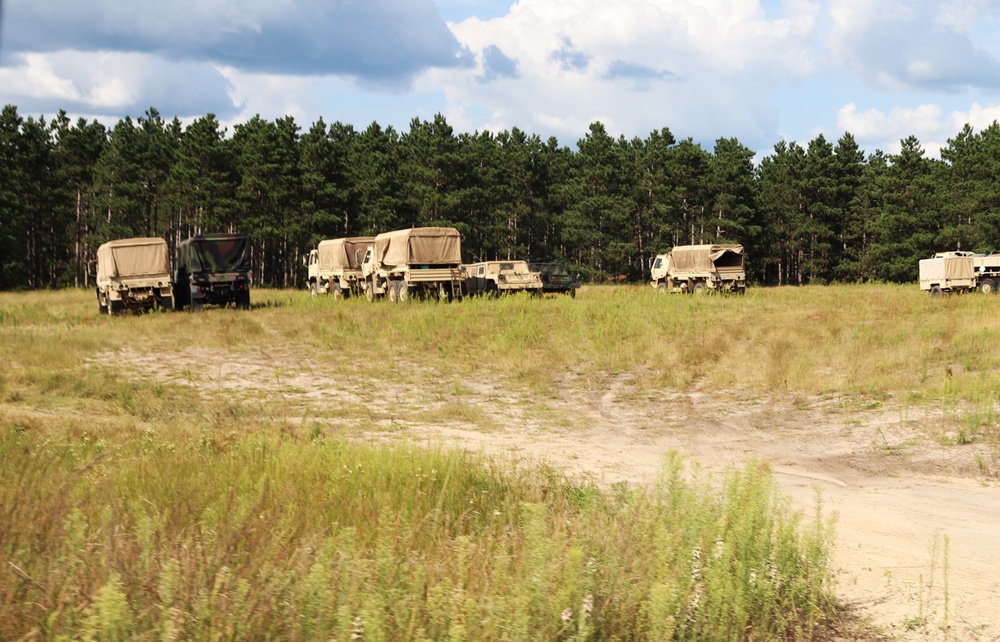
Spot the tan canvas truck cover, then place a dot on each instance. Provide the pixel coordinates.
(419, 246)
(947, 270)
(138, 257)
(703, 258)
(343, 254)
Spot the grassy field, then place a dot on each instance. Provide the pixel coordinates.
(141, 505)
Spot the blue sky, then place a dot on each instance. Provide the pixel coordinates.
(758, 70)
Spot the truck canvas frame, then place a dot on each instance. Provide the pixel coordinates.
(334, 267)
(133, 274)
(213, 269)
(714, 267)
(424, 262)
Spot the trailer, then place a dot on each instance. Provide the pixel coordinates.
(948, 272)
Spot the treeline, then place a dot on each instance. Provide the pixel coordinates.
(826, 212)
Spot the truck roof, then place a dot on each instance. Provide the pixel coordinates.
(132, 257)
(344, 253)
(419, 245)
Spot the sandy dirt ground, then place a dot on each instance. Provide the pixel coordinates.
(917, 519)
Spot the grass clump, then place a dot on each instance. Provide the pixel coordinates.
(268, 538)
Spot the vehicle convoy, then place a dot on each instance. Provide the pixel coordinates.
(133, 274)
(501, 277)
(700, 268)
(335, 266)
(556, 278)
(419, 261)
(213, 269)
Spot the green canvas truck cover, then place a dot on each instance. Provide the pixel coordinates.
(345, 253)
(215, 253)
(134, 257)
(419, 246)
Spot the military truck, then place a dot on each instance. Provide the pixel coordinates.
(335, 266)
(416, 262)
(948, 272)
(495, 278)
(700, 268)
(556, 278)
(987, 266)
(213, 269)
(133, 274)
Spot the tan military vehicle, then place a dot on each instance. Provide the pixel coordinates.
(501, 277)
(947, 272)
(700, 268)
(420, 261)
(133, 274)
(987, 267)
(335, 266)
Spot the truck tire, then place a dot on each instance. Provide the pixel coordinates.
(699, 288)
(166, 303)
(336, 291)
(404, 293)
(369, 291)
(988, 286)
(115, 308)
(661, 287)
(936, 292)
(394, 291)
(312, 289)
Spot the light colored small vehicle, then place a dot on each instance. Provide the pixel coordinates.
(947, 272)
(502, 277)
(335, 266)
(700, 268)
(133, 274)
(423, 262)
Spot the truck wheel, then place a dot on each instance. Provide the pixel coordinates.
(166, 303)
(369, 291)
(312, 289)
(404, 293)
(699, 288)
(336, 292)
(936, 292)
(243, 300)
(661, 288)
(572, 293)
(393, 291)
(988, 286)
(115, 308)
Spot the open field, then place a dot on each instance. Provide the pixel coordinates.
(873, 404)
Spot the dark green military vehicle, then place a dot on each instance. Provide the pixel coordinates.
(212, 269)
(556, 278)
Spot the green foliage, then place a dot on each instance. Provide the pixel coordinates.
(815, 215)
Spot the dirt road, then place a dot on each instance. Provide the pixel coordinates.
(917, 518)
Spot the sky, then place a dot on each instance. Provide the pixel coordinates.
(761, 71)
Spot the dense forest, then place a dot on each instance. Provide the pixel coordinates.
(827, 212)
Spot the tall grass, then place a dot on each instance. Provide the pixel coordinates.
(137, 505)
(261, 537)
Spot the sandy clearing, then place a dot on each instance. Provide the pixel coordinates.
(917, 523)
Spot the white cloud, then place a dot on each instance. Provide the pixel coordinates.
(928, 122)
(703, 68)
(103, 83)
(899, 45)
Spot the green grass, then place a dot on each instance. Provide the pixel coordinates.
(138, 503)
